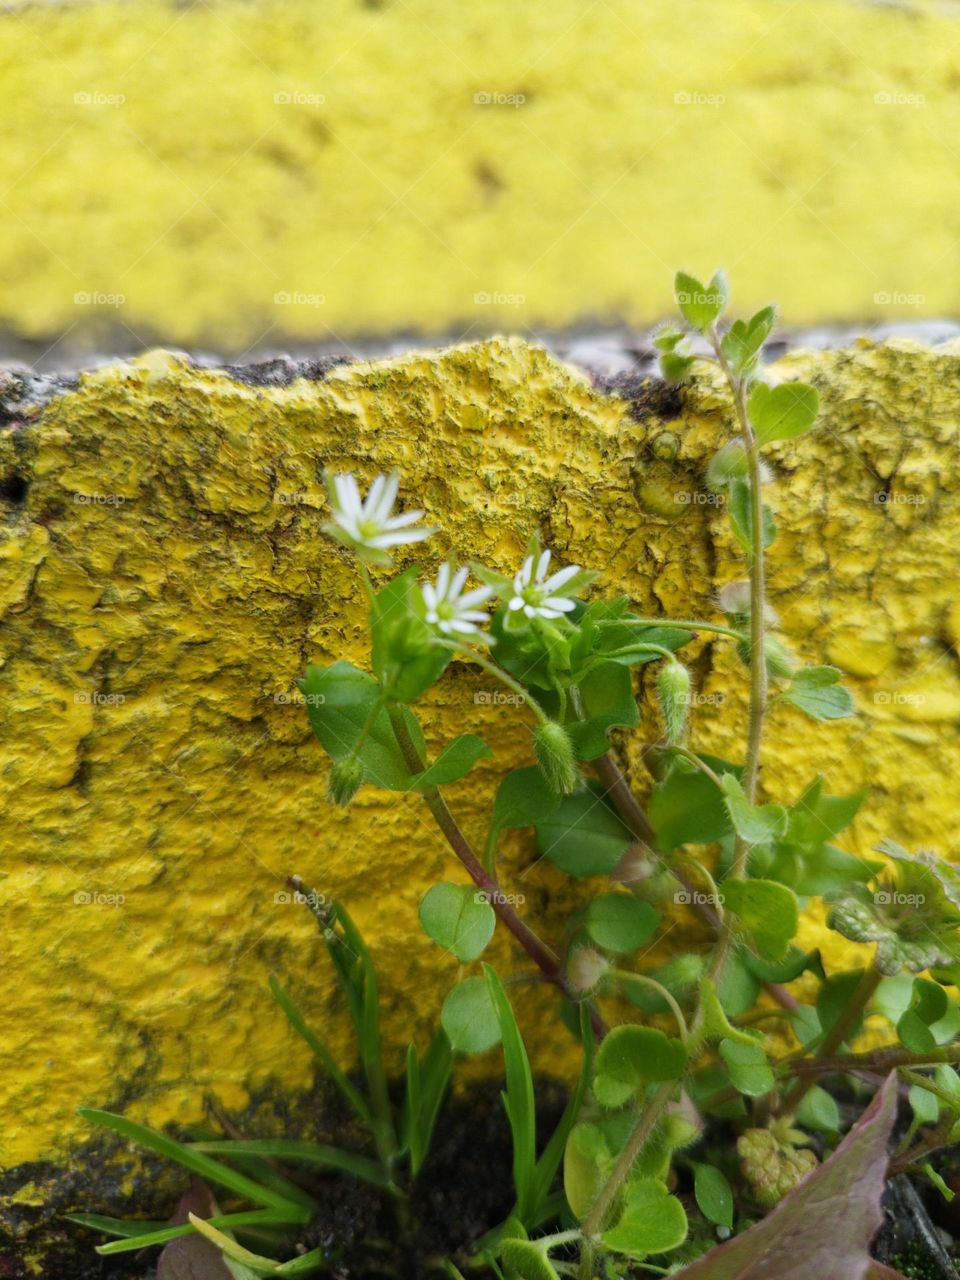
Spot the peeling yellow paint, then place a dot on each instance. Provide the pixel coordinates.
(213, 172)
(166, 580)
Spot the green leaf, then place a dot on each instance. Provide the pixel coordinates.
(585, 1162)
(518, 1100)
(524, 798)
(526, 1260)
(924, 1104)
(929, 1000)
(818, 692)
(619, 922)
(743, 341)
(458, 918)
(340, 699)
(741, 516)
(404, 655)
(701, 305)
(767, 910)
(653, 1221)
(296, 1020)
(750, 1073)
(938, 1181)
(554, 1152)
(469, 1017)
(784, 412)
(137, 1240)
(754, 824)
(833, 998)
(819, 1111)
(607, 700)
(714, 1197)
(631, 1057)
(583, 836)
(688, 808)
(454, 762)
(298, 1153)
(194, 1161)
(674, 366)
(914, 1034)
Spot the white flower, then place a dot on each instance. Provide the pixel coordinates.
(534, 591)
(450, 611)
(366, 525)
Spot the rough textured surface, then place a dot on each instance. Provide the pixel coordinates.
(227, 172)
(164, 580)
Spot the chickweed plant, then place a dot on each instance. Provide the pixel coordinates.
(689, 1122)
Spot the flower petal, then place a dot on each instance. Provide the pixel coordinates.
(556, 580)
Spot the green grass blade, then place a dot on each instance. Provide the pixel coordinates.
(435, 1073)
(306, 1265)
(519, 1099)
(305, 1152)
(549, 1162)
(250, 1218)
(126, 1227)
(296, 1021)
(195, 1161)
(410, 1129)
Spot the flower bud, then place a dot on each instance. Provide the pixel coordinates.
(727, 464)
(673, 690)
(781, 663)
(585, 968)
(346, 778)
(554, 752)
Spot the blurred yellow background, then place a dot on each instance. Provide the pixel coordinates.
(238, 174)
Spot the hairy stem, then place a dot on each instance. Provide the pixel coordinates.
(545, 959)
(649, 1118)
(837, 1034)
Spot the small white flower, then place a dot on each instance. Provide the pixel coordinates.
(367, 525)
(534, 592)
(450, 611)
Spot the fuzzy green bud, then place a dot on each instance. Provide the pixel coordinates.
(585, 969)
(554, 752)
(727, 464)
(673, 691)
(781, 663)
(346, 778)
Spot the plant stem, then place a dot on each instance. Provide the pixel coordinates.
(838, 1033)
(641, 979)
(685, 624)
(498, 674)
(545, 959)
(593, 1223)
(623, 799)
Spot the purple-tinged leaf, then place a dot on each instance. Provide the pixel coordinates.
(825, 1225)
(191, 1257)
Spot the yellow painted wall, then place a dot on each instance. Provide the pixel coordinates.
(165, 582)
(147, 168)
